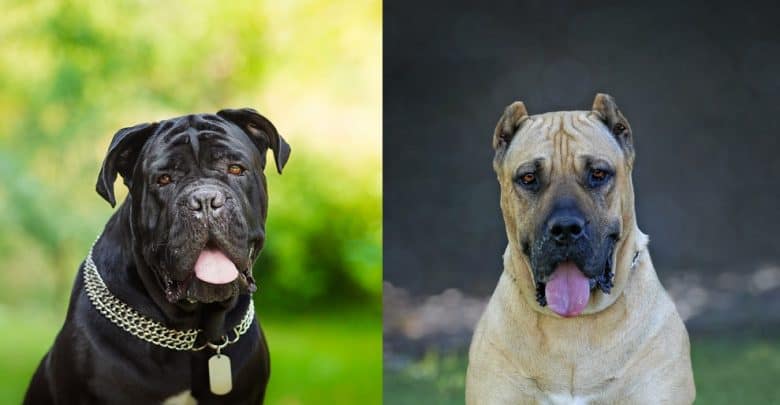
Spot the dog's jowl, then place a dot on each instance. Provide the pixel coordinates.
(578, 315)
(161, 310)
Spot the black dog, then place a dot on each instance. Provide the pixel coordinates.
(161, 310)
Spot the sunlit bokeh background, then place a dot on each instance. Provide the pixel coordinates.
(73, 72)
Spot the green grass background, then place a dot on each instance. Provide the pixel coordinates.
(318, 358)
(727, 370)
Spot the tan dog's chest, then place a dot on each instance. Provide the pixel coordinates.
(636, 351)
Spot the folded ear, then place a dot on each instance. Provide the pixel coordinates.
(261, 131)
(606, 108)
(121, 158)
(508, 124)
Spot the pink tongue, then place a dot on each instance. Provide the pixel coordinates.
(215, 268)
(568, 290)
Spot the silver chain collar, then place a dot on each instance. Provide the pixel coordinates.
(128, 319)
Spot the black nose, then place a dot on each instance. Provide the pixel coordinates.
(209, 199)
(566, 228)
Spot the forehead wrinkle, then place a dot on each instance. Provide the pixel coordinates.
(548, 122)
(578, 125)
(174, 128)
(535, 140)
(564, 138)
(535, 123)
(603, 143)
(159, 159)
(584, 120)
(559, 152)
(192, 133)
(572, 125)
(210, 126)
(528, 145)
(599, 127)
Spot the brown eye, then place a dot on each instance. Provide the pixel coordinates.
(528, 178)
(528, 181)
(598, 177)
(235, 170)
(164, 180)
(618, 129)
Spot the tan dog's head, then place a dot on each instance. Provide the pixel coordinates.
(567, 201)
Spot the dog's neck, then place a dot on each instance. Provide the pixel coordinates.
(131, 281)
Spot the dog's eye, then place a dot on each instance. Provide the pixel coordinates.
(235, 170)
(164, 180)
(598, 177)
(528, 181)
(528, 178)
(618, 129)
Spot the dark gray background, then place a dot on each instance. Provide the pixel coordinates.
(700, 84)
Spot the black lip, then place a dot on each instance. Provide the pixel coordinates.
(603, 281)
(192, 288)
(203, 292)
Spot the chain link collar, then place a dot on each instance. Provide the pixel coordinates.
(128, 319)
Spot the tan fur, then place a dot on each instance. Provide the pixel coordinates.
(626, 347)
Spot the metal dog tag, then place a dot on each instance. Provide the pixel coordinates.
(220, 377)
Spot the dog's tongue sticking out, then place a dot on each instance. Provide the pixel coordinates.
(214, 267)
(568, 290)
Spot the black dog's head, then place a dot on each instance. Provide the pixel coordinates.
(198, 199)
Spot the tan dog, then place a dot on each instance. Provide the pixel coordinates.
(578, 316)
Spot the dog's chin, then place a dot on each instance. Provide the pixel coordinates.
(600, 277)
(207, 275)
(192, 291)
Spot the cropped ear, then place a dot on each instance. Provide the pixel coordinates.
(508, 124)
(121, 158)
(605, 107)
(261, 131)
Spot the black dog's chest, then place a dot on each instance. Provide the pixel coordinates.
(159, 375)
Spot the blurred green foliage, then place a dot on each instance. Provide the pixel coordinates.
(324, 242)
(73, 72)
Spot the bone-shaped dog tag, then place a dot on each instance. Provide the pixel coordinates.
(220, 377)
